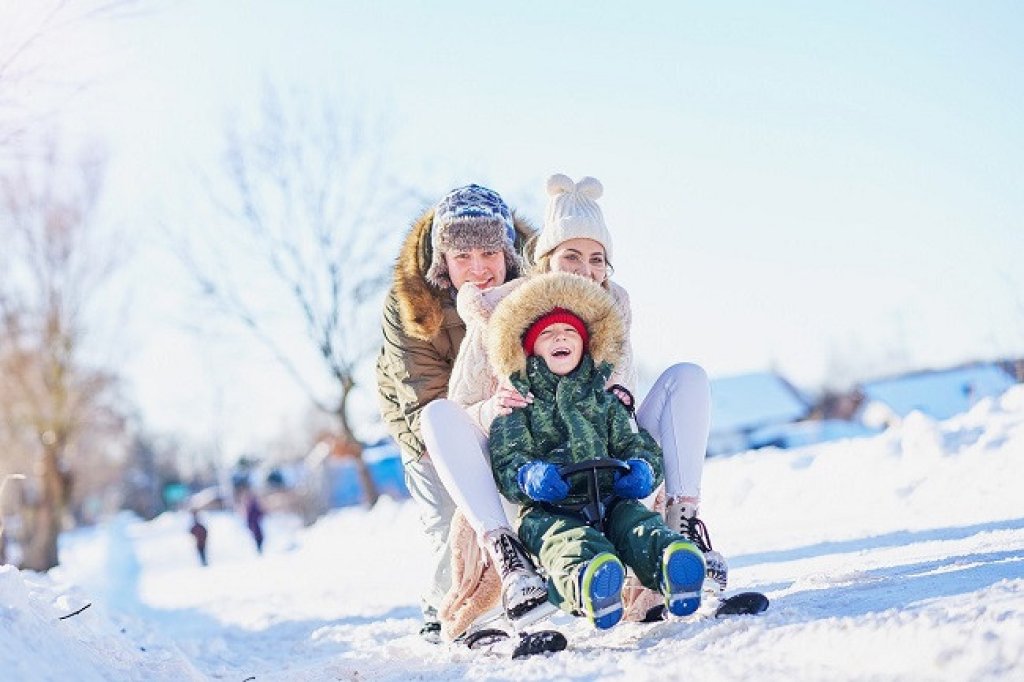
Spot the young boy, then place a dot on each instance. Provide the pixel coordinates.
(556, 337)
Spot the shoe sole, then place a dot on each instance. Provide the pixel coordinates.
(602, 590)
(541, 611)
(683, 571)
(432, 635)
(536, 597)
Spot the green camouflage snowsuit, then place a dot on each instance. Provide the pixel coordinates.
(572, 419)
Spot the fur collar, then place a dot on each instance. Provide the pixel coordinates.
(537, 296)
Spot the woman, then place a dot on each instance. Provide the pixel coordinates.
(469, 236)
(676, 411)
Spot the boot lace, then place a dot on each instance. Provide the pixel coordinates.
(511, 557)
(697, 533)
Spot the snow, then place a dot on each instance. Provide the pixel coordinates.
(895, 557)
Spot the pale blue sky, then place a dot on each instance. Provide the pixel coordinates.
(791, 184)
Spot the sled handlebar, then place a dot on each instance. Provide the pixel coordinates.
(594, 510)
(593, 464)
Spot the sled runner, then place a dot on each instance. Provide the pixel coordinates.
(742, 604)
(496, 634)
(523, 645)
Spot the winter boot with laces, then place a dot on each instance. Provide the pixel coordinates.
(431, 630)
(524, 593)
(681, 516)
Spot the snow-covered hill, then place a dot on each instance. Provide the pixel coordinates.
(899, 557)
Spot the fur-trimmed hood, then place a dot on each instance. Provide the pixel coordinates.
(421, 303)
(539, 295)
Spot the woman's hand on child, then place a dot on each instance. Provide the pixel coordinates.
(624, 396)
(508, 399)
(636, 483)
(542, 482)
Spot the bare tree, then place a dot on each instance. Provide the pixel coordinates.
(302, 206)
(33, 38)
(54, 266)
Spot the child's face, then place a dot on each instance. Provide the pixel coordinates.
(560, 346)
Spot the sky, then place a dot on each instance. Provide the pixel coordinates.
(877, 578)
(831, 190)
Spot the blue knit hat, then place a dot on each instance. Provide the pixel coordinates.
(470, 217)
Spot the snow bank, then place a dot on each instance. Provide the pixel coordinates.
(39, 641)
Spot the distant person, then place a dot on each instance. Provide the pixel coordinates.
(253, 517)
(199, 532)
(557, 338)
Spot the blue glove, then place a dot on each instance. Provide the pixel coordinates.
(541, 481)
(637, 482)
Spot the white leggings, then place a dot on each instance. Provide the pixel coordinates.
(458, 449)
(676, 412)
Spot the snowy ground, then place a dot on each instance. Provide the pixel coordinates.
(899, 557)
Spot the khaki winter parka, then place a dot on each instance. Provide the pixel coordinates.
(422, 335)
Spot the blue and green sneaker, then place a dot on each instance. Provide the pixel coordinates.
(601, 590)
(682, 575)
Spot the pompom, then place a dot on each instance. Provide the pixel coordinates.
(590, 187)
(560, 184)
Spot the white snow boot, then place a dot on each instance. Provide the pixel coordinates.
(431, 630)
(681, 516)
(524, 593)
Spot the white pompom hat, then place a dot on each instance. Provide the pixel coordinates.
(573, 213)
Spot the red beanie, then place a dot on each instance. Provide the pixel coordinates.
(557, 315)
